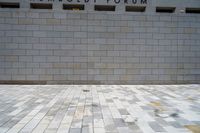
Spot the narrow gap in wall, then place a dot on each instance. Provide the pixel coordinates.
(73, 7)
(192, 10)
(135, 8)
(165, 9)
(9, 5)
(41, 6)
(104, 8)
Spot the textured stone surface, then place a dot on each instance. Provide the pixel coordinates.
(91, 47)
(99, 109)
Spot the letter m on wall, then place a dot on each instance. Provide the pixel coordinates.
(143, 1)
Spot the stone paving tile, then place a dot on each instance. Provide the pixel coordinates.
(99, 109)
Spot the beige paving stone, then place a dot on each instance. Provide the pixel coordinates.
(193, 128)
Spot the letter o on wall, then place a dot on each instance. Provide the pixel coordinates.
(134, 1)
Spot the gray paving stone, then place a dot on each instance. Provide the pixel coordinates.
(3, 129)
(119, 122)
(75, 130)
(110, 128)
(176, 124)
(123, 112)
(156, 127)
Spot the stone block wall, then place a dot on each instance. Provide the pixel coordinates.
(94, 47)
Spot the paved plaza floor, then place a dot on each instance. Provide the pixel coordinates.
(99, 109)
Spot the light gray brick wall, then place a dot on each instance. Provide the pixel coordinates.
(90, 47)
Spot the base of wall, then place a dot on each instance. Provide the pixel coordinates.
(23, 82)
(85, 82)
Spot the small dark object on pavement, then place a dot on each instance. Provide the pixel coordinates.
(86, 90)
